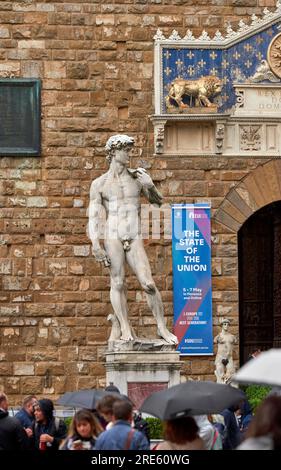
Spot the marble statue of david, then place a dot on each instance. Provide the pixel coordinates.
(118, 191)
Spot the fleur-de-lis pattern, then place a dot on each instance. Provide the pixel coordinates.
(213, 55)
(190, 55)
(236, 55)
(259, 55)
(235, 64)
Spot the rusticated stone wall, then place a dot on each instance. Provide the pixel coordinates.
(95, 60)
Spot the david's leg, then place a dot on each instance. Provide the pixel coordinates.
(114, 249)
(138, 261)
(155, 303)
(119, 304)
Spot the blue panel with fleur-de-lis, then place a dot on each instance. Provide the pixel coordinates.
(232, 65)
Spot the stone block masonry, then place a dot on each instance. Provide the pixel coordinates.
(95, 60)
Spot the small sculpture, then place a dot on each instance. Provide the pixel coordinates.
(224, 360)
(263, 73)
(199, 91)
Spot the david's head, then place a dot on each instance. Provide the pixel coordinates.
(118, 144)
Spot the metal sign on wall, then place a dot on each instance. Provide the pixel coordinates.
(20, 117)
(191, 249)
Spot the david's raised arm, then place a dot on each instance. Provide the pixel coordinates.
(148, 187)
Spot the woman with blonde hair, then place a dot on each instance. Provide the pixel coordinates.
(83, 432)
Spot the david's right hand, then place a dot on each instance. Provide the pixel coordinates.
(101, 256)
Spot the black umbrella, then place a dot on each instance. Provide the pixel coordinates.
(191, 398)
(83, 398)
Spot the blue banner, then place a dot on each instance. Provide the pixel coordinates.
(191, 250)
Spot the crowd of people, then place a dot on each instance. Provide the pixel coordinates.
(115, 425)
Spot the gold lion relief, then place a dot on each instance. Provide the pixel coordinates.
(199, 91)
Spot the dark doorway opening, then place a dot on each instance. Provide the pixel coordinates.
(259, 254)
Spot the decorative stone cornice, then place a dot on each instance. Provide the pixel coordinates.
(242, 135)
(231, 37)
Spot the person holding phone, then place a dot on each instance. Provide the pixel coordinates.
(83, 432)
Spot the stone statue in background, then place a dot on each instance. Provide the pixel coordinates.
(224, 358)
(118, 191)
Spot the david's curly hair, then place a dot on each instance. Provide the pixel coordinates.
(117, 142)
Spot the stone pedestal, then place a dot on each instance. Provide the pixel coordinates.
(139, 373)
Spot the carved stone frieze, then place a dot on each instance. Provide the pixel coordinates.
(239, 98)
(250, 137)
(159, 133)
(210, 135)
(220, 132)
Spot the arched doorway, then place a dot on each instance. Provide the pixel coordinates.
(259, 259)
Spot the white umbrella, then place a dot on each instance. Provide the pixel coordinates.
(265, 369)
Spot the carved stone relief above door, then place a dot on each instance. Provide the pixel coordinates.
(253, 139)
(250, 138)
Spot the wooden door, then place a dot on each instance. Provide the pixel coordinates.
(259, 251)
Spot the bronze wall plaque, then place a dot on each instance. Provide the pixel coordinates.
(20, 116)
